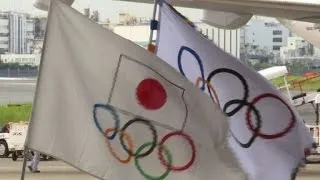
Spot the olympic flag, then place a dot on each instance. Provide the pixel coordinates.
(116, 111)
(266, 132)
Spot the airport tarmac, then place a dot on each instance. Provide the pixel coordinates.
(50, 170)
(22, 91)
(56, 170)
(17, 91)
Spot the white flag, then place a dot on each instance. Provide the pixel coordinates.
(264, 131)
(116, 111)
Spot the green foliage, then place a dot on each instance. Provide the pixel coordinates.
(297, 67)
(14, 113)
(260, 66)
(309, 85)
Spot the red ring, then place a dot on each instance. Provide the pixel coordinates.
(190, 141)
(270, 136)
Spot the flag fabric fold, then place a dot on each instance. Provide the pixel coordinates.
(116, 111)
(266, 133)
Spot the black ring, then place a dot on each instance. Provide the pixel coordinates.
(258, 119)
(154, 133)
(244, 83)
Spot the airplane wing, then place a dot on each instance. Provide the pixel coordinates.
(44, 4)
(306, 10)
(225, 20)
(232, 14)
(308, 31)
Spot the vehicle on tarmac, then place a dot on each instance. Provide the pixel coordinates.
(12, 139)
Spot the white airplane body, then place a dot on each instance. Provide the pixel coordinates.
(307, 10)
(300, 16)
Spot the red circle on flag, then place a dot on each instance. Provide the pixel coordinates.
(151, 94)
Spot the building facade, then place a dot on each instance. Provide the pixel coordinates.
(298, 49)
(4, 32)
(228, 40)
(270, 36)
(16, 33)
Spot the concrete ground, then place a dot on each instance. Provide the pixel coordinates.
(50, 170)
(17, 91)
(55, 170)
(23, 91)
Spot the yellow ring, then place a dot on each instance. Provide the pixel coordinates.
(211, 89)
(130, 146)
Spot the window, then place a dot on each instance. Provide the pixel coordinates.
(276, 48)
(270, 24)
(4, 34)
(277, 32)
(4, 42)
(277, 39)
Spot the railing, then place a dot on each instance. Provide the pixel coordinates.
(18, 72)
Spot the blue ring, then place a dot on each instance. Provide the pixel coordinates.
(191, 51)
(114, 114)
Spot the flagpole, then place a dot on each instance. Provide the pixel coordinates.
(153, 20)
(25, 158)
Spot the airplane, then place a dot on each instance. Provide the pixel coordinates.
(308, 10)
(44, 4)
(301, 17)
(242, 10)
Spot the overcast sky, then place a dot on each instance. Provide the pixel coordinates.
(107, 8)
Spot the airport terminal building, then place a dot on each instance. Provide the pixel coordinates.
(228, 40)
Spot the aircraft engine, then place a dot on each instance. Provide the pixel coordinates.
(44, 4)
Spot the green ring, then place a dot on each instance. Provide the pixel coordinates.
(149, 177)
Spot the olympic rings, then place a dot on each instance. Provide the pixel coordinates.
(115, 117)
(240, 102)
(243, 81)
(258, 119)
(149, 177)
(129, 147)
(270, 136)
(191, 51)
(169, 166)
(210, 89)
(154, 133)
(130, 143)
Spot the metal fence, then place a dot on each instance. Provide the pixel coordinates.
(19, 72)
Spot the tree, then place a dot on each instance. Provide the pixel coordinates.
(260, 66)
(95, 16)
(37, 28)
(297, 67)
(2, 51)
